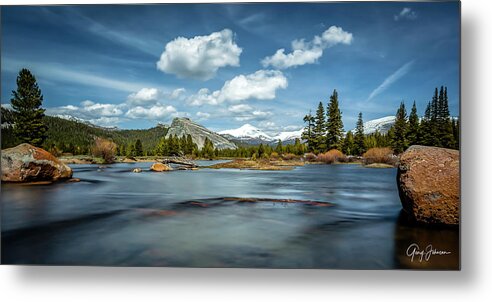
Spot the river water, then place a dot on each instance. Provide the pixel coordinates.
(114, 217)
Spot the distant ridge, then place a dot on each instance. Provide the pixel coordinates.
(182, 126)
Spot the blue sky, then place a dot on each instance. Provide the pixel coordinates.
(133, 66)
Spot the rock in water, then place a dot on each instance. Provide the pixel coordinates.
(160, 167)
(182, 126)
(26, 163)
(137, 170)
(429, 184)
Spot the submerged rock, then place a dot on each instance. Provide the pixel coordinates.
(26, 163)
(160, 167)
(429, 184)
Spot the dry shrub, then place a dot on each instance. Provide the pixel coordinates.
(379, 155)
(310, 157)
(105, 149)
(274, 156)
(331, 157)
(288, 156)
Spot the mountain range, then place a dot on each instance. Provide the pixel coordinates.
(249, 134)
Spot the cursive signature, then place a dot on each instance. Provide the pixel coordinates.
(414, 251)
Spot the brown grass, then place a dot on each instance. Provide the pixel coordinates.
(379, 155)
(105, 149)
(331, 157)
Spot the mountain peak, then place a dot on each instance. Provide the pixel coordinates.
(183, 126)
(246, 131)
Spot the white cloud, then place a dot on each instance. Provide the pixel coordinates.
(105, 121)
(204, 97)
(177, 93)
(406, 13)
(95, 113)
(240, 108)
(98, 109)
(143, 104)
(403, 70)
(203, 115)
(150, 96)
(155, 112)
(308, 52)
(261, 85)
(247, 113)
(200, 57)
(144, 96)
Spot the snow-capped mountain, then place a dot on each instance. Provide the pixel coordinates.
(381, 124)
(250, 134)
(288, 136)
(247, 132)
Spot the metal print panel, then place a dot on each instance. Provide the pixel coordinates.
(266, 135)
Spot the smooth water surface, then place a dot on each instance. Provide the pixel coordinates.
(180, 218)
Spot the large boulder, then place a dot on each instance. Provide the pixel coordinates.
(26, 163)
(160, 167)
(429, 184)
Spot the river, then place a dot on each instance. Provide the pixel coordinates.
(114, 217)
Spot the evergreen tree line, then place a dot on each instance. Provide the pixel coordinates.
(324, 132)
(437, 128)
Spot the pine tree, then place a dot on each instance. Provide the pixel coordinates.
(400, 142)
(334, 124)
(26, 103)
(308, 133)
(359, 142)
(348, 146)
(208, 149)
(279, 148)
(425, 129)
(456, 134)
(299, 148)
(189, 145)
(138, 148)
(413, 126)
(444, 125)
(319, 131)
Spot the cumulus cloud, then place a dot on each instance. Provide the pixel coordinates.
(200, 57)
(203, 115)
(243, 112)
(95, 113)
(144, 96)
(150, 96)
(177, 93)
(406, 13)
(146, 103)
(261, 85)
(155, 112)
(308, 52)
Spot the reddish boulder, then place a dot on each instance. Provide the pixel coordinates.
(26, 163)
(429, 184)
(160, 167)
